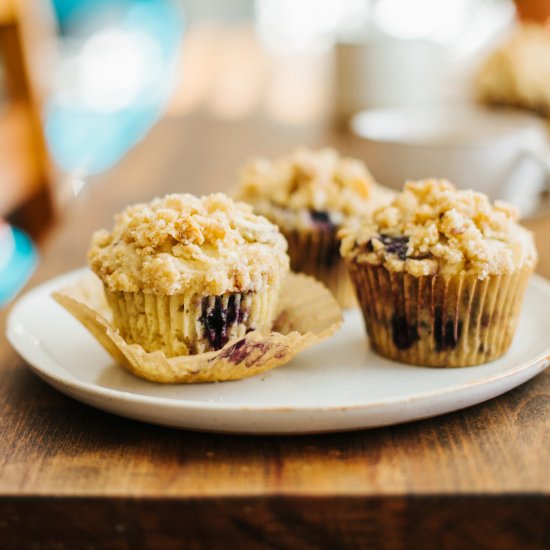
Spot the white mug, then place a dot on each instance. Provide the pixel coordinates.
(502, 153)
(382, 71)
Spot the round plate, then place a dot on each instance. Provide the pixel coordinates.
(338, 385)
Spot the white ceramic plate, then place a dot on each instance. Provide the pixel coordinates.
(338, 385)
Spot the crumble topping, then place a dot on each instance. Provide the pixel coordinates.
(431, 227)
(517, 73)
(289, 189)
(181, 241)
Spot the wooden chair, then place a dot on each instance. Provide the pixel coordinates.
(26, 176)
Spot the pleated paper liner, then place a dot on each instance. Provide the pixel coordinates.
(306, 315)
(439, 321)
(189, 323)
(316, 252)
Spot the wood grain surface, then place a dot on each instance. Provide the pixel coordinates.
(74, 477)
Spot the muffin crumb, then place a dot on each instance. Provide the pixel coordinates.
(444, 230)
(310, 183)
(179, 242)
(517, 72)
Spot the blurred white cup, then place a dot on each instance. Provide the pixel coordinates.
(384, 71)
(502, 153)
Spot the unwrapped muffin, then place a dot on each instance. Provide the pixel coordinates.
(310, 195)
(440, 275)
(184, 275)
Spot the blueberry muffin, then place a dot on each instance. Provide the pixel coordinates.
(440, 275)
(310, 195)
(184, 275)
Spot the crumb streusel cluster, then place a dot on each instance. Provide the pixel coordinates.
(307, 181)
(518, 72)
(431, 227)
(180, 242)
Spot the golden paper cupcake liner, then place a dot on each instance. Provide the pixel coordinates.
(316, 252)
(189, 323)
(436, 320)
(307, 313)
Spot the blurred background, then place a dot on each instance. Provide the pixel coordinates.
(83, 81)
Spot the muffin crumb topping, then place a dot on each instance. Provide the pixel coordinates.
(431, 227)
(310, 182)
(182, 241)
(517, 72)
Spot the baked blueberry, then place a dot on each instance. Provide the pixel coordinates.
(396, 245)
(322, 219)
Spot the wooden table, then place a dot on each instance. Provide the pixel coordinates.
(75, 477)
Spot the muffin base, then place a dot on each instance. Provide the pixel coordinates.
(188, 323)
(439, 321)
(316, 252)
(307, 314)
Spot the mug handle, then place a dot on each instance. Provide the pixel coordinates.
(542, 156)
(525, 184)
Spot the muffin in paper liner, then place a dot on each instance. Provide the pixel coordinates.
(316, 252)
(436, 320)
(185, 274)
(189, 323)
(310, 194)
(440, 274)
(307, 314)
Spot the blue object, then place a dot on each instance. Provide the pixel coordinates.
(88, 137)
(19, 266)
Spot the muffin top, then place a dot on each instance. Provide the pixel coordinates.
(310, 182)
(518, 71)
(180, 243)
(431, 227)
